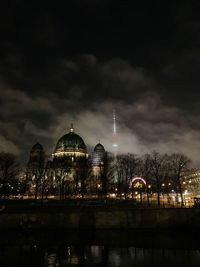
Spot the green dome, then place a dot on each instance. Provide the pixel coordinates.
(99, 147)
(37, 146)
(70, 142)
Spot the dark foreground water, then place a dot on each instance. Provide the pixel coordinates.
(102, 248)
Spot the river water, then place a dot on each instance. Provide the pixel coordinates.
(109, 249)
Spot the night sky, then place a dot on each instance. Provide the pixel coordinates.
(79, 61)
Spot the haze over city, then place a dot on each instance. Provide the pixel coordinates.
(78, 63)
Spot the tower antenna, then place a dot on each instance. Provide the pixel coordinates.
(114, 135)
(114, 123)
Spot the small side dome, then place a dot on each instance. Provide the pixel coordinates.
(37, 146)
(99, 147)
(37, 156)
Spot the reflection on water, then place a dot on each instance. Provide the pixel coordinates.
(98, 256)
(48, 254)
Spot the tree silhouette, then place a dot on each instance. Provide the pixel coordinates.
(9, 171)
(178, 163)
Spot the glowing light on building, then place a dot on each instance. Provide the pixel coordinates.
(137, 179)
(73, 154)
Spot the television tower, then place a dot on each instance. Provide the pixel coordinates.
(114, 145)
(114, 135)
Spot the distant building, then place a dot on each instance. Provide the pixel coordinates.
(191, 181)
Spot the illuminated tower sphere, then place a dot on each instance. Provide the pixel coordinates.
(37, 156)
(71, 145)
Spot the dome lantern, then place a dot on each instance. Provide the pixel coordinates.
(71, 128)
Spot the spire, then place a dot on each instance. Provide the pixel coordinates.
(114, 135)
(114, 125)
(71, 128)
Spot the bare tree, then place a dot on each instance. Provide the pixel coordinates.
(158, 170)
(46, 182)
(83, 172)
(119, 173)
(9, 171)
(178, 164)
(35, 171)
(38, 175)
(60, 181)
(24, 182)
(126, 168)
(106, 175)
(126, 172)
(145, 166)
(62, 169)
(133, 168)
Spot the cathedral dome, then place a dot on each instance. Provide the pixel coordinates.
(70, 144)
(37, 146)
(99, 147)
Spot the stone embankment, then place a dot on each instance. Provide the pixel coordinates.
(103, 219)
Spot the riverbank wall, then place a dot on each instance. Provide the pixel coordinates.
(103, 219)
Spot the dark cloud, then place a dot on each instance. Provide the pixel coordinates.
(144, 122)
(76, 63)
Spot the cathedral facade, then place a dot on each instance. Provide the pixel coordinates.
(71, 170)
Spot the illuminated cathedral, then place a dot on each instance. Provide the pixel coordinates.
(69, 156)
